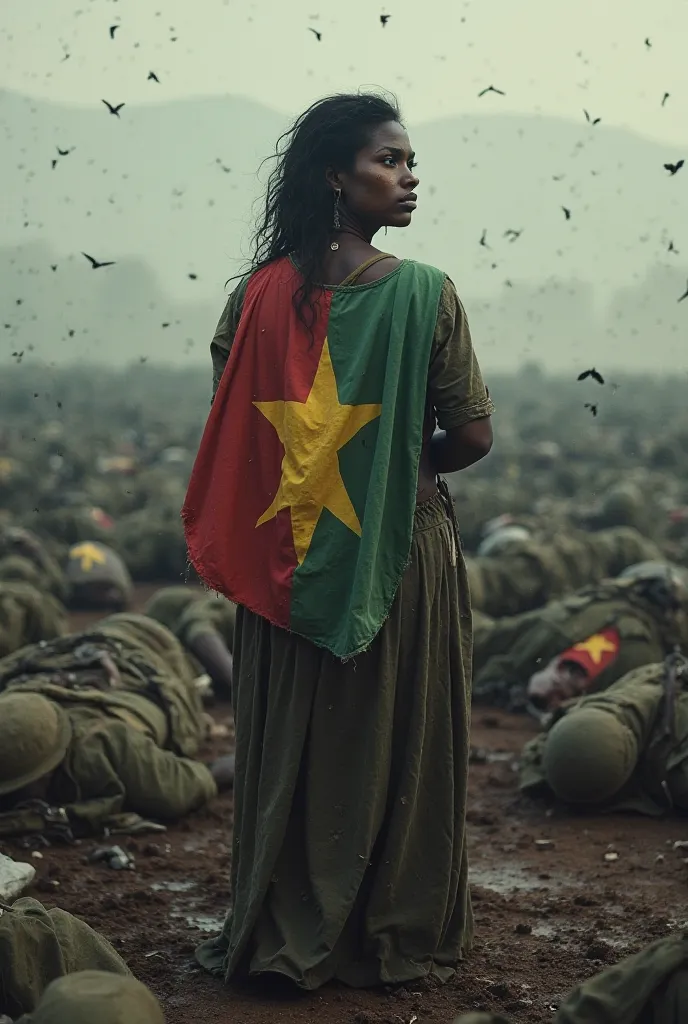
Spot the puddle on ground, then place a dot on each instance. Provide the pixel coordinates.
(205, 922)
(509, 877)
(173, 886)
(544, 931)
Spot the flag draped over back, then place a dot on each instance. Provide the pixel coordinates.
(301, 500)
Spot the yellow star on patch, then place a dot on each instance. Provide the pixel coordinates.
(596, 646)
(312, 433)
(88, 555)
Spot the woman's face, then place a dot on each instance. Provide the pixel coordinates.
(380, 188)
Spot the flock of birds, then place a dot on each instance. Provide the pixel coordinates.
(511, 234)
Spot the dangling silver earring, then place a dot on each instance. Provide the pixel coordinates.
(338, 192)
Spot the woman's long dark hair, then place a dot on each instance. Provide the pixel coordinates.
(298, 203)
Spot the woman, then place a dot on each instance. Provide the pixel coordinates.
(314, 505)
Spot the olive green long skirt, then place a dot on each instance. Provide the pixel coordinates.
(349, 855)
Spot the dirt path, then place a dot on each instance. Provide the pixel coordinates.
(546, 917)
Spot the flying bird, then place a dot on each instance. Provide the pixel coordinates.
(674, 168)
(95, 265)
(113, 29)
(53, 164)
(672, 248)
(152, 77)
(318, 35)
(384, 18)
(648, 44)
(665, 97)
(113, 110)
(491, 88)
(64, 152)
(590, 120)
(513, 235)
(592, 407)
(567, 213)
(685, 295)
(591, 373)
(483, 239)
(193, 276)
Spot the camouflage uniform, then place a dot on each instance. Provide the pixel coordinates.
(650, 987)
(28, 616)
(134, 718)
(38, 946)
(625, 749)
(508, 653)
(529, 572)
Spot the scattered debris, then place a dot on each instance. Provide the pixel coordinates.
(114, 856)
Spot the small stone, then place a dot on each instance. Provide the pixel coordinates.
(544, 844)
(14, 877)
(598, 951)
(659, 859)
(612, 855)
(681, 844)
(37, 854)
(523, 929)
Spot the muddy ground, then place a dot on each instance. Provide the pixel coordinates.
(547, 916)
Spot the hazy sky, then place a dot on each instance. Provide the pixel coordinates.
(549, 56)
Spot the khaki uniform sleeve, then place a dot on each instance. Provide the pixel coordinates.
(155, 783)
(208, 615)
(221, 345)
(455, 385)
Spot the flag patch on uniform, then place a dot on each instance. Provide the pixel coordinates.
(596, 653)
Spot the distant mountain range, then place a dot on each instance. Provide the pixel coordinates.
(166, 192)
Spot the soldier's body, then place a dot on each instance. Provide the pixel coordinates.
(624, 749)
(104, 723)
(24, 558)
(650, 987)
(582, 643)
(519, 571)
(39, 946)
(96, 997)
(27, 616)
(204, 623)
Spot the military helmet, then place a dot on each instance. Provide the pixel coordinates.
(19, 568)
(34, 737)
(97, 577)
(169, 603)
(661, 582)
(589, 755)
(500, 538)
(90, 996)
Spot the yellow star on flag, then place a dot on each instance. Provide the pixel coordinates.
(596, 646)
(312, 433)
(88, 554)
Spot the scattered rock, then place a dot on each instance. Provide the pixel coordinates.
(523, 929)
(544, 844)
(15, 876)
(610, 856)
(585, 901)
(114, 856)
(598, 951)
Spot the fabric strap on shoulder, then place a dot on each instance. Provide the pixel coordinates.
(355, 274)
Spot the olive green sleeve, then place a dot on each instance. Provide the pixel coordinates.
(221, 344)
(210, 614)
(156, 783)
(455, 384)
